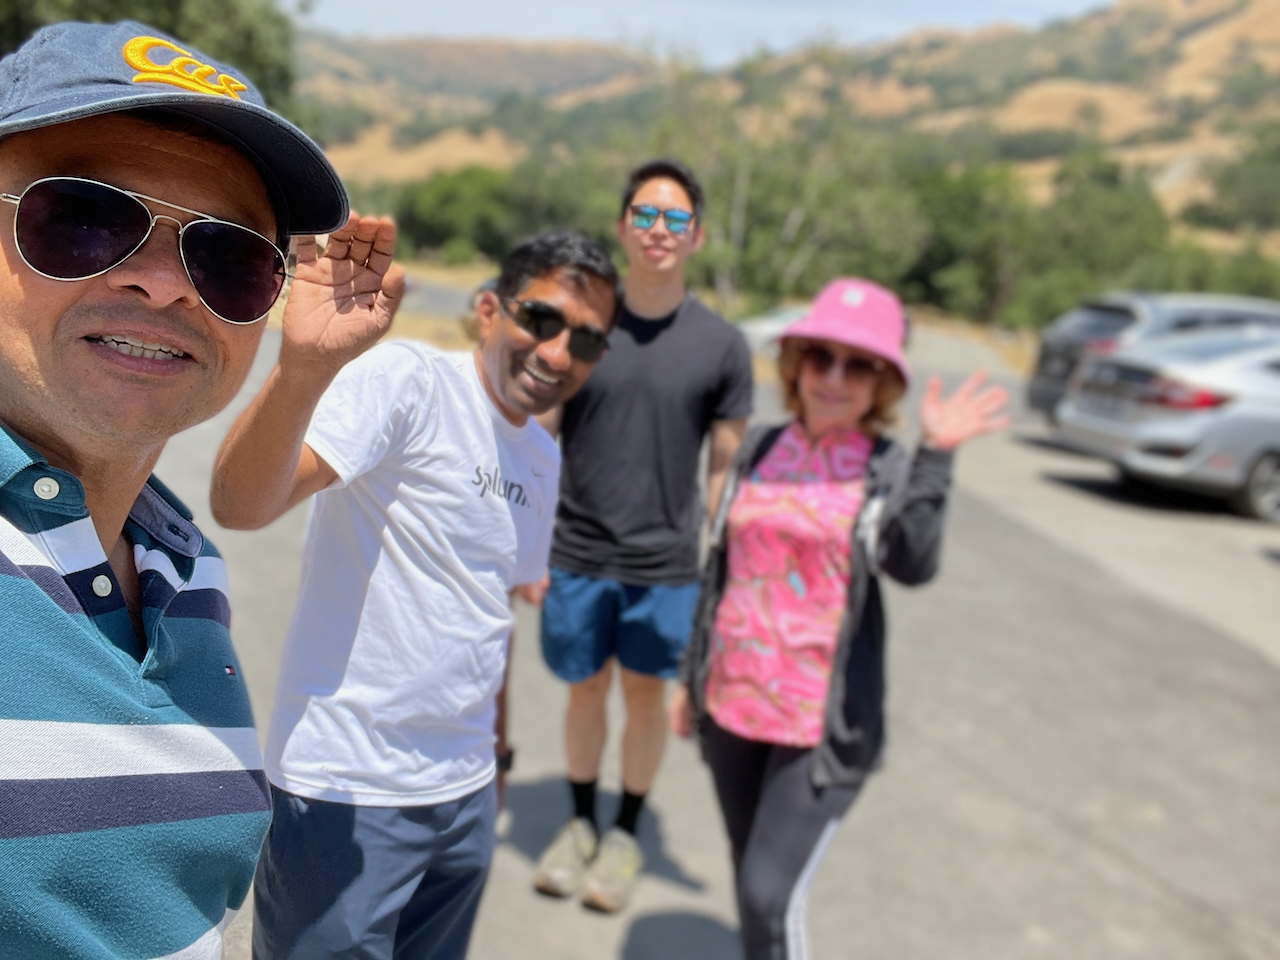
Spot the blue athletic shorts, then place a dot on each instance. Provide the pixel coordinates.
(587, 620)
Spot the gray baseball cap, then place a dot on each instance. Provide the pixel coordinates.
(70, 70)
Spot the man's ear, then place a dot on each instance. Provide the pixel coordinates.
(488, 314)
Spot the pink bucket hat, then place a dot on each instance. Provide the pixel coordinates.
(857, 313)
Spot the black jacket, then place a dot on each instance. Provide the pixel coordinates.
(898, 532)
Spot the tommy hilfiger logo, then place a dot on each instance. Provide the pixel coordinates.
(493, 483)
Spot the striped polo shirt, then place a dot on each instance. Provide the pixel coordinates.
(132, 797)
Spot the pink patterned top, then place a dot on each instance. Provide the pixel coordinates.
(790, 531)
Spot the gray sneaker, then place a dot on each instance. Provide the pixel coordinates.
(613, 875)
(563, 865)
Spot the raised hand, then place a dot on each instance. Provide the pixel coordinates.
(344, 298)
(972, 410)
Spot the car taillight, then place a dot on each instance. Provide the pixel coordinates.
(1101, 346)
(1162, 392)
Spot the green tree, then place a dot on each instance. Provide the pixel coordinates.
(468, 204)
(254, 35)
(828, 202)
(1247, 193)
(979, 227)
(789, 205)
(1101, 223)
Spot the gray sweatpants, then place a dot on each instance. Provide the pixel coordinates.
(779, 827)
(371, 883)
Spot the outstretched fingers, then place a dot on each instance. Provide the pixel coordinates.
(339, 245)
(972, 384)
(393, 285)
(388, 298)
(361, 244)
(933, 390)
(383, 247)
(989, 407)
(992, 399)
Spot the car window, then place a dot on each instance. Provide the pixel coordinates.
(1207, 347)
(1217, 320)
(1188, 321)
(1210, 321)
(1094, 322)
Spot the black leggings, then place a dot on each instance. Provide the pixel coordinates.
(779, 827)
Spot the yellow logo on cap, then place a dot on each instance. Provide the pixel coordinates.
(182, 71)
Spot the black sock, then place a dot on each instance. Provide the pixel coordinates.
(629, 812)
(584, 801)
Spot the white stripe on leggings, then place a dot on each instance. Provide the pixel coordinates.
(797, 936)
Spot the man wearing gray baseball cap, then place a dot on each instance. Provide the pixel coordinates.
(152, 194)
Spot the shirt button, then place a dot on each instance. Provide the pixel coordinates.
(102, 585)
(47, 488)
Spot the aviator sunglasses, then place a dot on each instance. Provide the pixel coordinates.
(545, 322)
(68, 228)
(643, 217)
(821, 360)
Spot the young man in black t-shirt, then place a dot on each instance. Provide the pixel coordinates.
(624, 561)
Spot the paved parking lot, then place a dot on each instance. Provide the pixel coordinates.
(1083, 759)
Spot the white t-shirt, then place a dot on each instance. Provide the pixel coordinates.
(398, 645)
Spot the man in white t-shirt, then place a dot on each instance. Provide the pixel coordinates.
(435, 497)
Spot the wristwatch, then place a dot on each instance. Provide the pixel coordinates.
(506, 759)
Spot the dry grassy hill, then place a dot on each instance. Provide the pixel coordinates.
(1167, 85)
(399, 80)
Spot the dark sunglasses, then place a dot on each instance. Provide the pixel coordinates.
(545, 322)
(821, 360)
(644, 216)
(67, 228)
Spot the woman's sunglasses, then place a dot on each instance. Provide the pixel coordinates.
(545, 322)
(643, 217)
(68, 228)
(821, 360)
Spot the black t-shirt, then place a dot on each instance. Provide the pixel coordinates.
(629, 505)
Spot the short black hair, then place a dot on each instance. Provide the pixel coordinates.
(579, 256)
(664, 168)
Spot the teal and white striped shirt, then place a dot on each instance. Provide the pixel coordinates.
(132, 798)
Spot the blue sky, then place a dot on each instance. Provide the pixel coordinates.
(716, 31)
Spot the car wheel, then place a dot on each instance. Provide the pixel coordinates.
(1260, 496)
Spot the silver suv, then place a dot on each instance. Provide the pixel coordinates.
(1122, 318)
(1201, 412)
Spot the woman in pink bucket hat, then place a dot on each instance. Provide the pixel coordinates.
(784, 676)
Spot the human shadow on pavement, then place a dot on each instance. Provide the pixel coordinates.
(539, 808)
(1145, 495)
(1272, 555)
(658, 936)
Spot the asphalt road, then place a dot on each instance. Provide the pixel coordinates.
(1083, 757)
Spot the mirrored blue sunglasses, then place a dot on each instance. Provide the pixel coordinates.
(644, 216)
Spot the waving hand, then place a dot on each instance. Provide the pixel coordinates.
(974, 409)
(344, 298)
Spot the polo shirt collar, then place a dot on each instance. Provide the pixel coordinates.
(160, 514)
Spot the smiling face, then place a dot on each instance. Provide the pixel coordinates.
(526, 377)
(836, 398)
(129, 358)
(657, 252)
